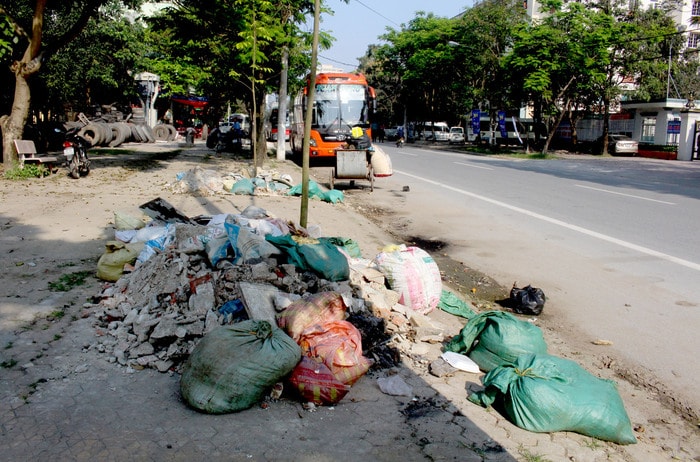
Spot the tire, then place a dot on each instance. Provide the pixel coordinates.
(161, 132)
(118, 135)
(125, 131)
(148, 133)
(213, 139)
(173, 132)
(136, 133)
(74, 166)
(92, 133)
(106, 135)
(85, 171)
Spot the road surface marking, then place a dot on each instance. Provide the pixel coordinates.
(473, 165)
(623, 194)
(563, 224)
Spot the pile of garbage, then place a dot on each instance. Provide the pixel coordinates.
(241, 304)
(201, 182)
(172, 280)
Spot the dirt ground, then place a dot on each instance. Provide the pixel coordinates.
(54, 229)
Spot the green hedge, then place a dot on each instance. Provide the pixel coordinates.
(658, 147)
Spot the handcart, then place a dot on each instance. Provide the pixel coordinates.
(353, 164)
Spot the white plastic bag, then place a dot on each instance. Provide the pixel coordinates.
(461, 362)
(412, 273)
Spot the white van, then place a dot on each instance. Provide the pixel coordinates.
(439, 131)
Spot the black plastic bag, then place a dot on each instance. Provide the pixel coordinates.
(527, 300)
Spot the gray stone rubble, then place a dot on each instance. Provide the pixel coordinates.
(153, 316)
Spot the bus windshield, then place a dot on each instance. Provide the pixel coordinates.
(339, 107)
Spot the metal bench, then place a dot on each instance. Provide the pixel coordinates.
(26, 151)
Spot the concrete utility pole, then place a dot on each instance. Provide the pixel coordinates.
(282, 108)
(308, 119)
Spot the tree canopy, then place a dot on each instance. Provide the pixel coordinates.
(492, 57)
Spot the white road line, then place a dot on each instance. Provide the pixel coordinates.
(473, 165)
(563, 224)
(623, 194)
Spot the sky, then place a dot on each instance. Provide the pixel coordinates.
(359, 23)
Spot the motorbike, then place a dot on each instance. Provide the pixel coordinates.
(75, 150)
(399, 142)
(228, 141)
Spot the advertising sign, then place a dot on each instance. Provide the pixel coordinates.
(674, 126)
(476, 119)
(502, 124)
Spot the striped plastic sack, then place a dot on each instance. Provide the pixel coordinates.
(315, 382)
(412, 273)
(339, 345)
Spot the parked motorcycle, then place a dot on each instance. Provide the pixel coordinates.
(75, 150)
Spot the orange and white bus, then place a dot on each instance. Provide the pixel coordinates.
(342, 101)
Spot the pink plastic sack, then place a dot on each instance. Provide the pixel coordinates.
(412, 273)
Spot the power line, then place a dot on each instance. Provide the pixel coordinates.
(336, 61)
(378, 13)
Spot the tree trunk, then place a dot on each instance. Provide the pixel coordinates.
(260, 140)
(13, 125)
(555, 125)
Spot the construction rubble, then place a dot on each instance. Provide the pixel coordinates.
(191, 276)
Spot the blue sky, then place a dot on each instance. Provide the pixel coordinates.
(360, 22)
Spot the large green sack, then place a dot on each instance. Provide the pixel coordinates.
(233, 366)
(494, 338)
(544, 393)
(318, 255)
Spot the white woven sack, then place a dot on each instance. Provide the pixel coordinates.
(381, 163)
(414, 275)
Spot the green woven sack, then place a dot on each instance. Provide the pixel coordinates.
(544, 393)
(234, 366)
(494, 338)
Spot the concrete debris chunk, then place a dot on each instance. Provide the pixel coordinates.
(259, 301)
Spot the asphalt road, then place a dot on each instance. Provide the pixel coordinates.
(613, 242)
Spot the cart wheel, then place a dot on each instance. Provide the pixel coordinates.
(332, 182)
(371, 179)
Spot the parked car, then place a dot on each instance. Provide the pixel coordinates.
(456, 135)
(619, 145)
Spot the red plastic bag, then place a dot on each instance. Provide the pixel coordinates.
(339, 345)
(316, 383)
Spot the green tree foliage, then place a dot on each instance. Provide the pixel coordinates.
(40, 29)
(441, 68)
(561, 75)
(485, 33)
(227, 50)
(555, 71)
(96, 69)
(6, 38)
(659, 42)
(417, 61)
